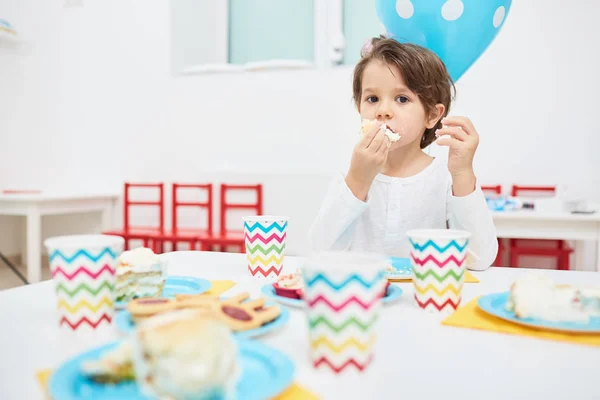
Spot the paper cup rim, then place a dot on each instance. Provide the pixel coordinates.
(83, 241)
(346, 261)
(438, 234)
(269, 218)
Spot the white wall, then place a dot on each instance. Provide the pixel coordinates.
(92, 102)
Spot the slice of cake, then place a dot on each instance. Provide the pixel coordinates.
(185, 354)
(537, 296)
(113, 367)
(140, 273)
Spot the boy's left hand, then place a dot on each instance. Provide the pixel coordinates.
(459, 134)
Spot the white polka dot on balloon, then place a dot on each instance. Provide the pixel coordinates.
(499, 16)
(405, 8)
(452, 10)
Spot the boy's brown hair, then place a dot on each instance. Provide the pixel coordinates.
(423, 72)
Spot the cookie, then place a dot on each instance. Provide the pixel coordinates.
(147, 307)
(242, 316)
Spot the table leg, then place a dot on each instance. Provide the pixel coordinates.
(598, 250)
(579, 256)
(24, 242)
(107, 216)
(34, 262)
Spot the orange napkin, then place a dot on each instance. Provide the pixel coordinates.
(471, 316)
(469, 278)
(294, 392)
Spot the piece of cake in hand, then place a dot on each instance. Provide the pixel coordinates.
(185, 354)
(140, 273)
(368, 123)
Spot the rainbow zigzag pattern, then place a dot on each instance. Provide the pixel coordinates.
(84, 286)
(439, 270)
(265, 245)
(342, 313)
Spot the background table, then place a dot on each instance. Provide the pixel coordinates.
(561, 225)
(416, 356)
(34, 206)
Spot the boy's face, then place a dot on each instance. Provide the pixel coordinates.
(386, 98)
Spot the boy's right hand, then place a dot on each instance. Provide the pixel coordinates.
(368, 158)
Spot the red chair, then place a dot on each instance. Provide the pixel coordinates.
(234, 238)
(497, 191)
(529, 247)
(144, 233)
(194, 235)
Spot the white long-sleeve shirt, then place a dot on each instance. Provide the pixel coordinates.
(397, 205)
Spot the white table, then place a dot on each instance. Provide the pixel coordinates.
(416, 356)
(533, 224)
(34, 206)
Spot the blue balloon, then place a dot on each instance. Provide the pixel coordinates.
(458, 31)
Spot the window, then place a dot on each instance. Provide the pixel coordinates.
(239, 35)
(242, 35)
(360, 23)
(262, 30)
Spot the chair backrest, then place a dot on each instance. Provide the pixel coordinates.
(497, 189)
(128, 203)
(208, 205)
(533, 191)
(225, 206)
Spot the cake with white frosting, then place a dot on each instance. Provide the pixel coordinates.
(140, 273)
(537, 296)
(185, 354)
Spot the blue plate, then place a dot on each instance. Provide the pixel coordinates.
(266, 372)
(393, 293)
(125, 324)
(179, 285)
(495, 304)
(402, 266)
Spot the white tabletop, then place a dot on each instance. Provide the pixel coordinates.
(545, 215)
(416, 356)
(56, 196)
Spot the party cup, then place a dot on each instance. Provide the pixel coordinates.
(343, 295)
(439, 261)
(265, 238)
(83, 271)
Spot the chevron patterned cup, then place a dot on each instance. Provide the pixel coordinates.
(343, 295)
(438, 258)
(83, 271)
(265, 238)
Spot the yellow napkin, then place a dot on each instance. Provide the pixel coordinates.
(471, 316)
(219, 287)
(294, 392)
(469, 278)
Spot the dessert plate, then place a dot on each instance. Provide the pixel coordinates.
(266, 372)
(125, 324)
(393, 293)
(178, 285)
(495, 304)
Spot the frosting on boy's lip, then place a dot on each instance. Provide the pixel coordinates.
(391, 128)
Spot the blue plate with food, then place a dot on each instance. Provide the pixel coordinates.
(294, 298)
(246, 317)
(537, 302)
(182, 359)
(399, 268)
